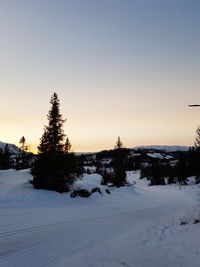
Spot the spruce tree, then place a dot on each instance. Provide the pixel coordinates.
(68, 146)
(24, 158)
(52, 140)
(197, 140)
(119, 178)
(43, 146)
(22, 142)
(53, 169)
(119, 144)
(195, 157)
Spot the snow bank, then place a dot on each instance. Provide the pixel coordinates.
(88, 182)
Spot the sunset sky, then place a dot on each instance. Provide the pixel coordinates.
(124, 68)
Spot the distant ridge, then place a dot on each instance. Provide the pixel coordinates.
(163, 148)
(172, 148)
(13, 148)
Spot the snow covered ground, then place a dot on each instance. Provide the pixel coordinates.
(137, 226)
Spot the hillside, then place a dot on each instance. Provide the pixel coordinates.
(163, 148)
(13, 148)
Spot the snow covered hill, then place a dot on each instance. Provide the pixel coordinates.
(164, 148)
(136, 226)
(13, 148)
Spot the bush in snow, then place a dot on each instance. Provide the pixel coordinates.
(80, 193)
(108, 191)
(96, 190)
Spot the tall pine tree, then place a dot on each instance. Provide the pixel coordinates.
(195, 157)
(22, 142)
(68, 145)
(23, 161)
(197, 139)
(52, 140)
(53, 169)
(119, 144)
(119, 164)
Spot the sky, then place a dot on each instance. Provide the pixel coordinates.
(125, 68)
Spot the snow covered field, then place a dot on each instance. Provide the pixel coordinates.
(137, 226)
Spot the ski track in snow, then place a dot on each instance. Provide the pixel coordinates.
(132, 227)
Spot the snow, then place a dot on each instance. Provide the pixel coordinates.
(92, 169)
(155, 155)
(106, 161)
(159, 156)
(88, 182)
(134, 226)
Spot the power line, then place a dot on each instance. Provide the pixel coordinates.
(193, 106)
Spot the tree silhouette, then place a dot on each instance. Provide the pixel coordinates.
(119, 178)
(52, 140)
(22, 142)
(23, 160)
(197, 140)
(119, 144)
(53, 169)
(68, 146)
